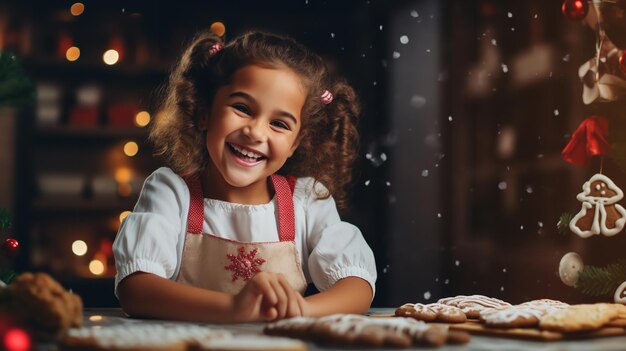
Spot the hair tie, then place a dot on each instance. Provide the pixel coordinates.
(327, 97)
(215, 48)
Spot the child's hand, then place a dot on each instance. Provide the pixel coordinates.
(268, 296)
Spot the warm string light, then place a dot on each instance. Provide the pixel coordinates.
(218, 28)
(131, 149)
(110, 57)
(16, 339)
(72, 54)
(96, 267)
(79, 248)
(142, 119)
(124, 215)
(77, 9)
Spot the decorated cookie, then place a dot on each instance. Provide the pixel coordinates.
(546, 305)
(140, 337)
(570, 266)
(432, 312)
(472, 305)
(511, 316)
(583, 317)
(600, 212)
(357, 330)
(250, 342)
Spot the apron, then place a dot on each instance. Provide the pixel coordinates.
(225, 265)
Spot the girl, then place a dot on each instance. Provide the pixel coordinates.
(260, 143)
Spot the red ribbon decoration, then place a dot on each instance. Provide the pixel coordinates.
(588, 140)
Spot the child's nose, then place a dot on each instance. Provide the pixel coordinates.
(256, 130)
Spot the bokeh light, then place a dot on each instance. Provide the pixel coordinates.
(96, 267)
(110, 57)
(77, 9)
(142, 119)
(16, 339)
(218, 28)
(72, 54)
(79, 248)
(123, 175)
(124, 215)
(131, 148)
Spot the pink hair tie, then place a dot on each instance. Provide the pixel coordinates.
(215, 48)
(327, 97)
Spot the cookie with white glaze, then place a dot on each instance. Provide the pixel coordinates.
(433, 312)
(472, 305)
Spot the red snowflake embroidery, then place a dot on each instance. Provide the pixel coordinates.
(244, 265)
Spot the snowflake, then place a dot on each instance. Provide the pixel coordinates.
(244, 264)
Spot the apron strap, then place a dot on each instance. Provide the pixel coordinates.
(284, 195)
(286, 217)
(195, 218)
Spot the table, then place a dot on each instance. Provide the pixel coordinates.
(105, 317)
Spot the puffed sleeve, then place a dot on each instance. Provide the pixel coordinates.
(149, 237)
(337, 249)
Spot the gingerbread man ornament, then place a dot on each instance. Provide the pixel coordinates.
(600, 212)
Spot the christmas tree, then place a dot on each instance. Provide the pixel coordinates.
(599, 142)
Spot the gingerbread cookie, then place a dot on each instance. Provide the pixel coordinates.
(250, 342)
(432, 312)
(358, 330)
(141, 337)
(583, 317)
(620, 294)
(42, 304)
(472, 305)
(546, 305)
(511, 317)
(600, 213)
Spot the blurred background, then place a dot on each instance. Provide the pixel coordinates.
(459, 184)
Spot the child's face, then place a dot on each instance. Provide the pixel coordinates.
(253, 124)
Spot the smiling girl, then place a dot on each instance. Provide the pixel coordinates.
(259, 141)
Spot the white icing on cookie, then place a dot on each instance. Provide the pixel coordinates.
(473, 303)
(509, 314)
(620, 294)
(589, 201)
(251, 342)
(146, 335)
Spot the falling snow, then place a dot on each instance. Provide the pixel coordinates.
(414, 14)
(450, 118)
(510, 15)
(425, 173)
(503, 270)
(383, 156)
(521, 227)
(502, 185)
(418, 101)
(388, 183)
(501, 288)
(540, 224)
(332, 35)
(457, 263)
(396, 54)
(529, 189)
(566, 58)
(556, 112)
(438, 215)
(367, 182)
(380, 27)
(494, 42)
(427, 295)
(505, 68)
(447, 281)
(404, 39)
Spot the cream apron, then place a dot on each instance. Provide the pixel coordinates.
(215, 263)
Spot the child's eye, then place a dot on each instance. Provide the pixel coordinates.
(280, 124)
(241, 107)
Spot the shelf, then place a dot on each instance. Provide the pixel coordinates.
(63, 204)
(55, 132)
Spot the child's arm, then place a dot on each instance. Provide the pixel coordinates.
(348, 295)
(266, 296)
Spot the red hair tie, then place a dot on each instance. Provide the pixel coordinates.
(327, 97)
(215, 48)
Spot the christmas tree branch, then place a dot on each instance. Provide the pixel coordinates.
(597, 281)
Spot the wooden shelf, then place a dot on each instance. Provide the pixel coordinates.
(63, 204)
(56, 132)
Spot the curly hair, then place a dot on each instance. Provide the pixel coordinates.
(328, 137)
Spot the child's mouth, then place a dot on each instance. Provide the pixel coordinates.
(247, 157)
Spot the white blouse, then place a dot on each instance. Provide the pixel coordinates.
(151, 238)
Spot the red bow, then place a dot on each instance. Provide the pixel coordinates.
(588, 140)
